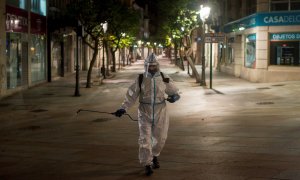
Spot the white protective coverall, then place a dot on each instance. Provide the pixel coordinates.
(153, 118)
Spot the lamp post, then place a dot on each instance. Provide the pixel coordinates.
(204, 14)
(104, 26)
(79, 33)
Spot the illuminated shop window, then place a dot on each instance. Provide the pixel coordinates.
(22, 4)
(13, 60)
(250, 51)
(39, 7)
(284, 53)
(38, 58)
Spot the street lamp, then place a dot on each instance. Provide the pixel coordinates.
(104, 26)
(204, 14)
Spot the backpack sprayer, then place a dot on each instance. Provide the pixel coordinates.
(101, 112)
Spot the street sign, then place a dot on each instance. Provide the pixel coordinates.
(214, 37)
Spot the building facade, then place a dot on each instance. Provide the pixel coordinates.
(22, 44)
(34, 46)
(62, 39)
(262, 40)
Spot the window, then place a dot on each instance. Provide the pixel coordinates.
(230, 51)
(230, 57)
(250, 7)
(39, 7)
(295, 4)
(38, 58)
(284, 53)
(250, 51)
(18, 3)
(284, 5)
(13, 60)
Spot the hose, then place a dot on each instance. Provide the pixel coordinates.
(113, 113)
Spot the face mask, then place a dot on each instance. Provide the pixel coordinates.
(152, 69)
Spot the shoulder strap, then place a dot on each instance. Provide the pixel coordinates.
(140, 80)
(166, 80)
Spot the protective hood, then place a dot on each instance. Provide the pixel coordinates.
(151, 60)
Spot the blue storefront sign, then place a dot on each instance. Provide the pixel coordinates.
(284, 36)
(278, 19)
(265, 19)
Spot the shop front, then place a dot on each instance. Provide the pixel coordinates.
(270, 46)
(25, 45)
(16, 47)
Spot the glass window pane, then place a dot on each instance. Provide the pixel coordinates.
(39, 7)
(284, 53)
(250, 51)
(295, 6)
(38, 58)
(280, 7)
(18, 3)
(230, 54)
(13, 60)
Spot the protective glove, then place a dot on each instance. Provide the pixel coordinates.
(120, 112)
(173, 98)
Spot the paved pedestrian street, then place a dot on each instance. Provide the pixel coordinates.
(236, 131)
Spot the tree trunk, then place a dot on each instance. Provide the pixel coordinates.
(168, 52)
(127, 59)
(108, 57)
(194, 70)
(113, 69)
(181, 57)
(123, 56)
(89, 75)
(175, 51)
(119, 67)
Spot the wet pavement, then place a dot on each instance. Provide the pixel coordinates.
(236, 131)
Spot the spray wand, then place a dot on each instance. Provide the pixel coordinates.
(101, 112)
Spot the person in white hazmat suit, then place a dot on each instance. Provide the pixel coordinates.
(153, 118)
